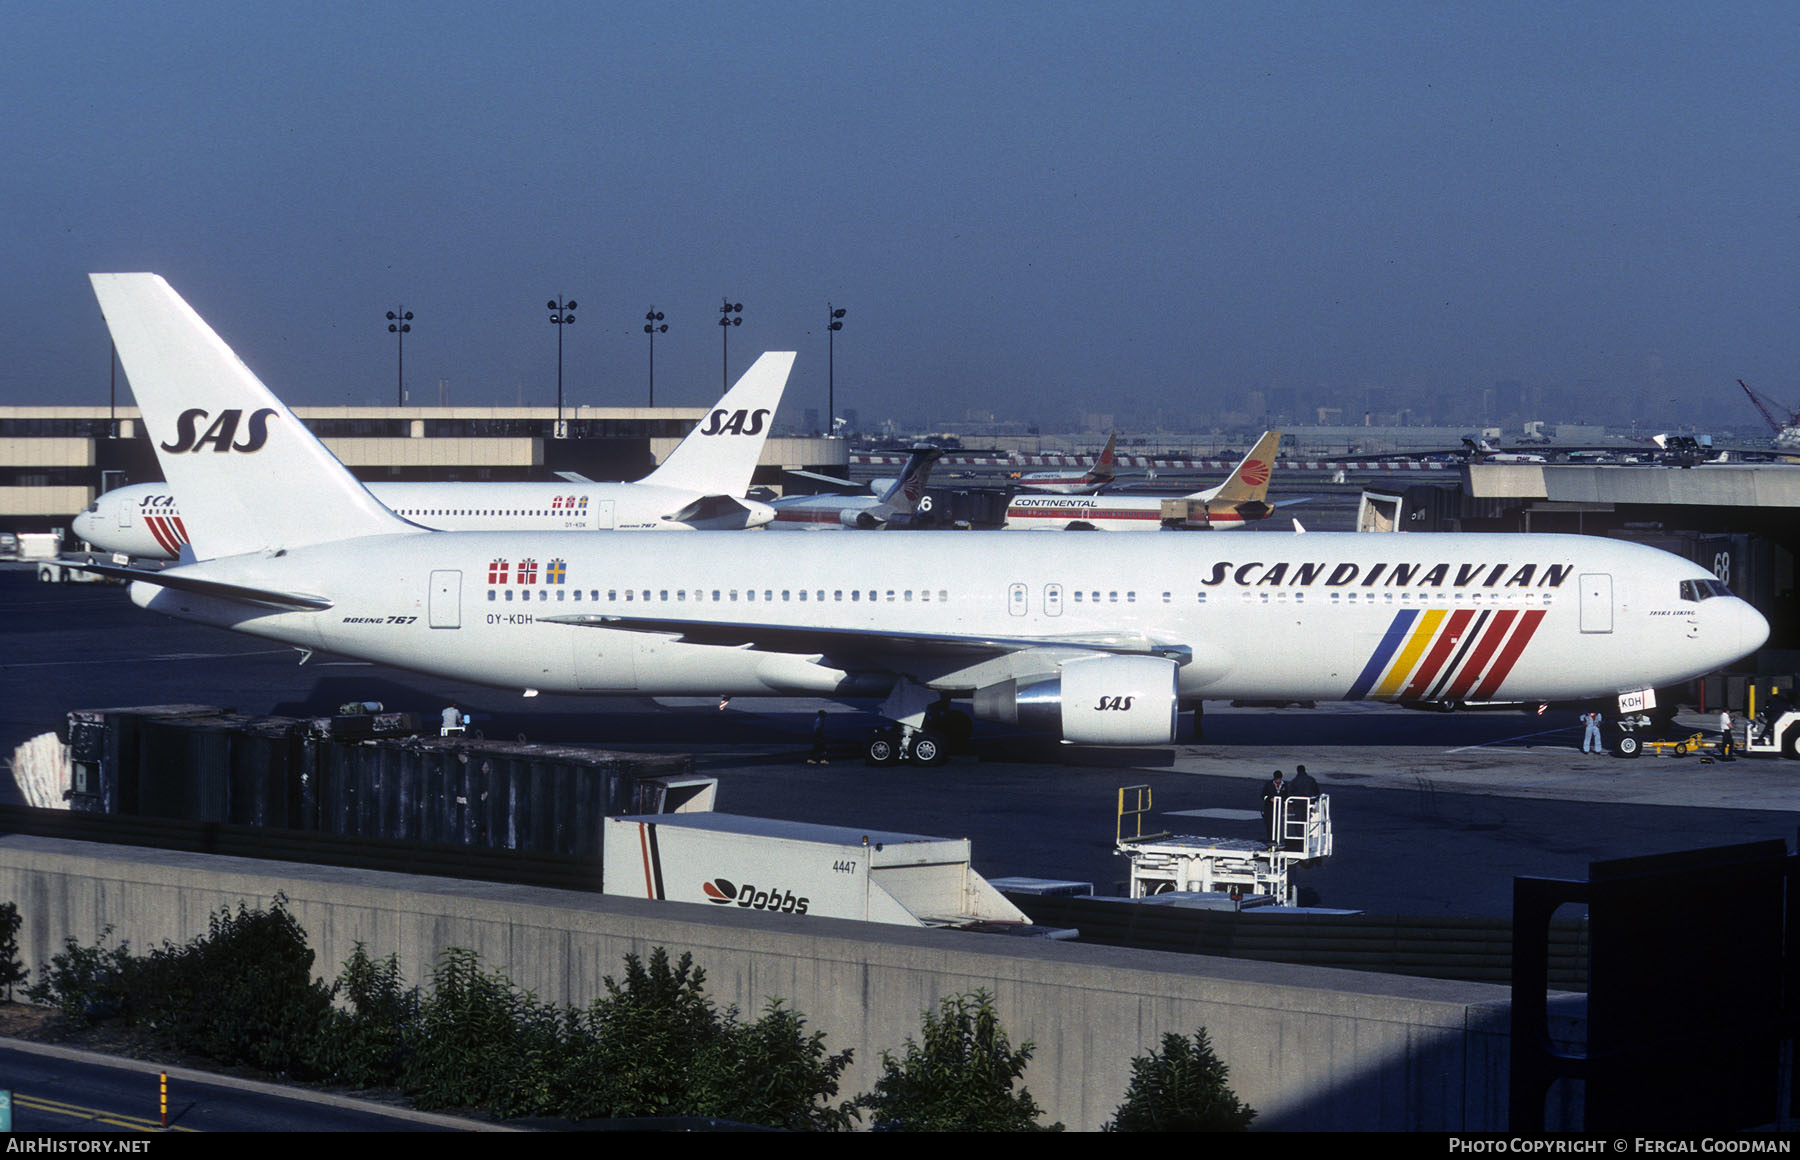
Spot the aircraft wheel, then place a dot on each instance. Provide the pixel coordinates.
(929, 749)
(1628, 746)
(883, 749)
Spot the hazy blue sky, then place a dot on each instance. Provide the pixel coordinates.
(1037, 209)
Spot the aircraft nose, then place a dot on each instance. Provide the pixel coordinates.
(1753, 628)
(82, 525)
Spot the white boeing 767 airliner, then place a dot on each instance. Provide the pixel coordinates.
(700, 485)
(1093, 639)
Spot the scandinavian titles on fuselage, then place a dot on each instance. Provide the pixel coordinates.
(1286, 574)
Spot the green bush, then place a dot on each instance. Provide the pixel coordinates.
(483, 1043)
(772, 1073)
(637, 1045)
(242, 994)
(12, 971)
(1180, 1089)
(367, 1043)
(959, 1077)
(87, 985)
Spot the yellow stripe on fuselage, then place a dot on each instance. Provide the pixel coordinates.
(1409, 656)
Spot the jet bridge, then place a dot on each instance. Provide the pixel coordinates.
(1248, 871)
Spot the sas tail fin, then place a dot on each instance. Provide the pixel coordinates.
(249, 477)
(1249, 480)
(719, 456)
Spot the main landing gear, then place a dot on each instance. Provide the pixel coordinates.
(929, 745)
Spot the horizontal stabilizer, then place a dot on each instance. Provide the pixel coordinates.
(173, 578)
(709, 507)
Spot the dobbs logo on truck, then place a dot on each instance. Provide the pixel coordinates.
(747, 896)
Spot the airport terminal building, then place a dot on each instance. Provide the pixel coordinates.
(55, 460)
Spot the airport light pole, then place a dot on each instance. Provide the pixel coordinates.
(653, 325)
(399, 325)
(730, 315)
(834, 322)
(562, 313)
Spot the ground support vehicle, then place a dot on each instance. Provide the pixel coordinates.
(1693, 743)
(1244, 870)
(799, 868)
(1774, 730)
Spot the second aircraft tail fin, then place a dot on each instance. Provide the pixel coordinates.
(903, 495)
(248, 475)
(719, 456)
(1249, 480)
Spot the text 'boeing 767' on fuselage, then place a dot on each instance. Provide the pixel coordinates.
(1091, 639)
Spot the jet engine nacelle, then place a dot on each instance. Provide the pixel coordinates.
(860, 518)
(1112, 700)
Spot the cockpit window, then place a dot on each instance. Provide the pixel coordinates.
(1703, 589)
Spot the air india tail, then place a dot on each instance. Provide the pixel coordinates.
(249, 476)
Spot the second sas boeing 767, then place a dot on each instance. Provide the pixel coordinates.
(699, 486)
(1091, 640)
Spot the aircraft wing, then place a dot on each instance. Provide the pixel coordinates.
(835, 482)
(792, 638)
(243, 594)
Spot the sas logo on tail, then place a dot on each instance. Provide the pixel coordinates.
(739, 422)
(222, 433)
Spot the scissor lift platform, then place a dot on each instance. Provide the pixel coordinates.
(1242, 868)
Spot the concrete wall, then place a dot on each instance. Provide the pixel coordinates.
(1309, 1048)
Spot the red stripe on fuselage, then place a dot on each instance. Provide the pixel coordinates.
(1440, 650)
(162, 535)
(1490, 641)
(1515, 645)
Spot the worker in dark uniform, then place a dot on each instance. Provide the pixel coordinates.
(1273, 791)
(1303, 784)
(817, 756)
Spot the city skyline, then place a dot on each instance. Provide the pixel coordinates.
(1042, 210)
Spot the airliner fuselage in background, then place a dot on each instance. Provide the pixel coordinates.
(699, 485)
(1093, 639)
(144, 520)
